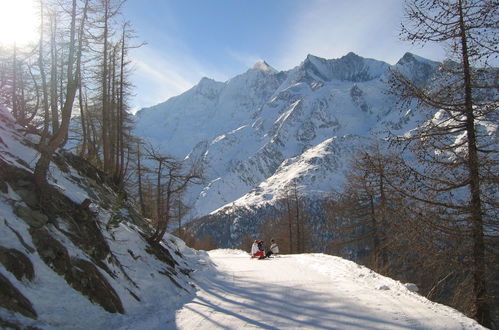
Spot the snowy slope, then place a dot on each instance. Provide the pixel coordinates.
(62, 267)
(308, 291)
(264, 129)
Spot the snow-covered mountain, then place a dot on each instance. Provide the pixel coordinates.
(263, 130)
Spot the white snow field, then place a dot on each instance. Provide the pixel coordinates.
(307, 291)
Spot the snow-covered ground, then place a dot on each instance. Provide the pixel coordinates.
(308, 291)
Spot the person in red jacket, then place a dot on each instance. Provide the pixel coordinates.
(257, 250)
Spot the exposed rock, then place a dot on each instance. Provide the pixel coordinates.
(87, 279)
(83, 232)
(20, 238)
(81, 274)
(52, 252)
(411, 287)
(9, 325)
(4, 187)
(13, 174)
(24, 183)
(17, 263)
(28, 196)
(12, 299)
(161, 253)
(32, 217)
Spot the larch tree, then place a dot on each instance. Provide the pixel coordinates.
(48, 146)
(454, 173)
(172, 179)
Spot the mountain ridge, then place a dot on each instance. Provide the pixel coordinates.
(250, 125)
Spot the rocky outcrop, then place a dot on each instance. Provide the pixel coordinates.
(17, 263)
(81, 274)
(86, 278)
(12, 299)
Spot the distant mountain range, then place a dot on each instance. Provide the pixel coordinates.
(262, 130)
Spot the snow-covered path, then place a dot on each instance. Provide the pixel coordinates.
(310, 291)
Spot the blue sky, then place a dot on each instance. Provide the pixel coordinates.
(190, 39)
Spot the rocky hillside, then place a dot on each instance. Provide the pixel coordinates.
(82, 260)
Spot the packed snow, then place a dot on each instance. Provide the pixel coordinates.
(307, 291)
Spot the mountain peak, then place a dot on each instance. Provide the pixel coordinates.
(415, 67)
(350, 67)
(263, 66)
(311, 57)
(351, 55)
(208, 87)
(412, 58)
(209, 83)
(206, 80)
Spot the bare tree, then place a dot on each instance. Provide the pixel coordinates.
(172, 179)
(291, 222)
(47, 148)
(450, 148)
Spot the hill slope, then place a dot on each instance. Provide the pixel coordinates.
(69, 266)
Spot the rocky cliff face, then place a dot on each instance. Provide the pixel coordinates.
(262, 130)
(80, 257)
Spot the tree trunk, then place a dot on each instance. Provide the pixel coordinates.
(121, 111)
(105, 97)
(41, 65)
(53, 76)
(15, 110)
(139, 174)
(374, 223)
(47, 150)
(481, 312)
(290, 224)
(82, 118)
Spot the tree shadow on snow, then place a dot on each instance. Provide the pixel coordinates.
(271, 306)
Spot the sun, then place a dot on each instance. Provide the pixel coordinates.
(19, 22)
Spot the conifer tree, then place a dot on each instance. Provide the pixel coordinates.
(453, 176)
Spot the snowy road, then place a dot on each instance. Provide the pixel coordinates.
(311, 291)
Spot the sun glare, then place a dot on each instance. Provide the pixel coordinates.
(18, 22)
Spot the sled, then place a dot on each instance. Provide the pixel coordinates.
(258, 254)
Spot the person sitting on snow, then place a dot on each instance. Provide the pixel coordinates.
(257, 250)
(274, 249)
(260, 245)
(254, 248)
